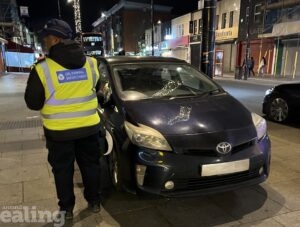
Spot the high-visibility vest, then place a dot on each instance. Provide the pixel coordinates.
(70, 95)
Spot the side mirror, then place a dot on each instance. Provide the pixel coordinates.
(104, 96)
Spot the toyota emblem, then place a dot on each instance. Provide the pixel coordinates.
(223, 148)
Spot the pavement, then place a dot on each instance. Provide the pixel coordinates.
(267, 79)
(28, 196)
(26, 180)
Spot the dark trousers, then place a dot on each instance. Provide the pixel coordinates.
(62, 155)
(246, 73)
(251, 71)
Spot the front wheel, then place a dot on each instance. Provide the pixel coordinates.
(278, 109)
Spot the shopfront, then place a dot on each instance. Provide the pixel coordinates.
(2, 55)
(178, 48)
(195, 50)
(226, 48)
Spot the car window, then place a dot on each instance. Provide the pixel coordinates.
(161, 80)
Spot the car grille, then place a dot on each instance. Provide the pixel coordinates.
(235, 149)
(211, 182)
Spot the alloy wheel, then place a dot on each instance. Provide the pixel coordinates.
(278, 110)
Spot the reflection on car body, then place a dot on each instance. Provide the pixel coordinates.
(282, 102)
(177, 132)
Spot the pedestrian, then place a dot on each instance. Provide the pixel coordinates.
(251, 67)
(63, 87)
(246, 67)
(262, 66)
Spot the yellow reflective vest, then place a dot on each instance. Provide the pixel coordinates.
(70, 95)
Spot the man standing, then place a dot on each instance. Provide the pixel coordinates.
(63, 87)
(251, 68)
(246, 67)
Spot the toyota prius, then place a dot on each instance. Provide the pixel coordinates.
(177, 132)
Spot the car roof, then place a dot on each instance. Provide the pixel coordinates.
(136, 59)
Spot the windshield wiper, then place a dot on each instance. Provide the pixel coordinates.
(212, 92)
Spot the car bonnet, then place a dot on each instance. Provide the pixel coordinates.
(190, 115)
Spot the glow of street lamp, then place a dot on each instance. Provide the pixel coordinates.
(77, 15)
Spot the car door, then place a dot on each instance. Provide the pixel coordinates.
(110, 108)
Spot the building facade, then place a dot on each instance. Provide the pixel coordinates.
(178, 41)
(281, 24)
(273, 32)
(251, 27)
(195, 36)
(123, 26)
(261, 28)
(227, 26)
(17, 43)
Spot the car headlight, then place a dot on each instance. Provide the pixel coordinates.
(145, 136)
(260, 125)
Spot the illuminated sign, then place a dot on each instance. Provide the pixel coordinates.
(228, 33)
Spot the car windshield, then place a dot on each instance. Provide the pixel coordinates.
(160, 80)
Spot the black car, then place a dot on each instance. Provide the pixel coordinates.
(282, 102)
(177, 132)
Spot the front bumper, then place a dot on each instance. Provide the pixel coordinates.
(184, 171)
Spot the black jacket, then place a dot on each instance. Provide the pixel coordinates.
(70, 55)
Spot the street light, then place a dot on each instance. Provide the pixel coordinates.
(58, 8)
(77, 15)
(247, 52)
(152, 29)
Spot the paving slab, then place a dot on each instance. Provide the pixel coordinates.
(11, 194)
(270, 222)
(39, 190)
(23, 173)
(10, 147)
(280, 171)
(34, 158)
(248, 204)
(291, 219)
(289, 190)
(185, 210)
(10, 162)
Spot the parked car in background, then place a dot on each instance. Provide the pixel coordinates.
(177, 132)
(282, 102)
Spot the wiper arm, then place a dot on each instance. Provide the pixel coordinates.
(212, 92)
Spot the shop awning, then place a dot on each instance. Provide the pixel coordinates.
(3, 40)
(283, 29)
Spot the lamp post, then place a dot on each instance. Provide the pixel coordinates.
(208, 37)
(152, 29)
(247, 52)
(58, 8)
(77, 15)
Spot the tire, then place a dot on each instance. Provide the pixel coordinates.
(278, 109)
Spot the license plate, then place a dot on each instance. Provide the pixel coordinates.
(225, 168)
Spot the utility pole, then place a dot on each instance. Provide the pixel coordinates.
(152, 29)
(208, 37)
(247, 52)
(58, 8)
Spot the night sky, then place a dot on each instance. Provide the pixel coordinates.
(42, 10)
